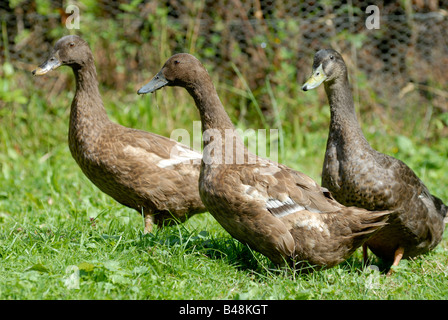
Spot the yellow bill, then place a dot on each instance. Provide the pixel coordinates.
(51, 64)
(315, 80)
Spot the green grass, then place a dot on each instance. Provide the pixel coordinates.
(54, 222)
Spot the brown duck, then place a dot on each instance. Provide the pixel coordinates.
(358, 175)
(277, 211)
(152, 174)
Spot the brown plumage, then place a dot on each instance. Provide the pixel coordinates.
(277, 211)
(358, 175)
(152, 174)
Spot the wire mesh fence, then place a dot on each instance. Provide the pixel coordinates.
(403, 50)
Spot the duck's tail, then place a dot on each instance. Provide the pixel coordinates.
(357, 225)
(441, 208)
(341, 232)
(366, 222)
(444, 211)
(370, 221)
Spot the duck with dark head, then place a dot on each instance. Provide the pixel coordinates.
(358, 175)
(152, 174)
(277, 211)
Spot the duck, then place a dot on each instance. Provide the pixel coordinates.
(358, 175)
(277, 211)
(152, 174)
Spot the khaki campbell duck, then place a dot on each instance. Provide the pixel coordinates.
(275, 210)
(358, 175)
(152, 174)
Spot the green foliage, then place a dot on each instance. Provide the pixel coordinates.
(9, 88)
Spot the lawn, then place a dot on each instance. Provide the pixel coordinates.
(61, 238)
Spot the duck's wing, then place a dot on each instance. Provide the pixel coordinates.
(153, 167)
(288, 191)
(406, 188)
(165, 152)
(294, 211)
(419, 211)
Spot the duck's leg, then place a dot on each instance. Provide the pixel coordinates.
(149, 221)
(397, 258)
(365, 254)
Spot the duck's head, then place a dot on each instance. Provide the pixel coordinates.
(182, 70)
(328, 65)
(69, 50)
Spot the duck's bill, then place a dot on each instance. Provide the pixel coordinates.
(51, 64)
(156, 83)
(315, 80)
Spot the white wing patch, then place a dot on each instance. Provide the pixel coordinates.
(312, 222)
(253, 192)
(278, 208)
(178, 155)
(283, 208)
(308, 220)
(142, 153)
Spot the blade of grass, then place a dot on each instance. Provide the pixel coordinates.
(250, 95)
(278, 121)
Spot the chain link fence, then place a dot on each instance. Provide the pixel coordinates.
(407, 54)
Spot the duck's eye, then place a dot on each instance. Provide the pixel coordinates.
(331, 57)
(176, 61)
(71, 44)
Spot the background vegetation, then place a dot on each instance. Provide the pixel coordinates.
(54, 221)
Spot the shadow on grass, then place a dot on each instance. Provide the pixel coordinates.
(213, 247)
(231, 251)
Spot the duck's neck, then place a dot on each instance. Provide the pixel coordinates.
(87, 114)
(344, 123)
(221, 141)
(211, 110)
